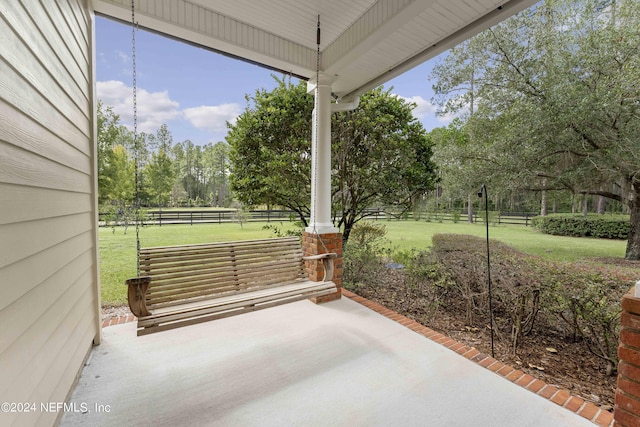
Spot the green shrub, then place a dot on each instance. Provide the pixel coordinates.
(600, 226)
(364, 254)
(586, 301)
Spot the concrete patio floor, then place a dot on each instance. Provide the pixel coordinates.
(336, 364)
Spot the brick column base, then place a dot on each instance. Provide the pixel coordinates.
(315, 244)
(627, 403)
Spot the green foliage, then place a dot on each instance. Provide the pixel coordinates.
(270, 149)
(586, 301)
(380, 154)
(161, 177)
(279, 232)
(364, 254)
(549, 102)
(599, 226)
(115, 165)
(241, 216)
(181, 174)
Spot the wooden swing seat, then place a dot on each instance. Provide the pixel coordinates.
(188, 284)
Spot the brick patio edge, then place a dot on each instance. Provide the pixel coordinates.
(560, 397)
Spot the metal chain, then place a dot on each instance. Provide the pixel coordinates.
(136, 149)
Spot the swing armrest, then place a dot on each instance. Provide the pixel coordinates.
(327, 264)
(137, 295)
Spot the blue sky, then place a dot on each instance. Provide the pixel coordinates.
(195, 91)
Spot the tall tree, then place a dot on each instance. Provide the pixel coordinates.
(123, 190)
(160, 177)
(215, 159)
(381, 154)
(109, 135)
(557, 100)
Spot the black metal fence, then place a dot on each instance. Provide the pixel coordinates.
(167, 217)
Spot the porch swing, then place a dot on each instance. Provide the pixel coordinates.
(188, 284)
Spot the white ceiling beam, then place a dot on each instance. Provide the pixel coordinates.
(203, 27)
(372, 28)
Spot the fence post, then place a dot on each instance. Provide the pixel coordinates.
(191, 217)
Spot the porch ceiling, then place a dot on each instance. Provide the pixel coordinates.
(364, 43)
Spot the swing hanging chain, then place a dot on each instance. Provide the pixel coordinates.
(136, 149)
(317, 139)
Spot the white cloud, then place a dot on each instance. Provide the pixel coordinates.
(213, 117)
(154, 108)
(422, 108)
(447, 117)
(123, 57)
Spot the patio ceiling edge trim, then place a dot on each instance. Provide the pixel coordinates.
(487, 21)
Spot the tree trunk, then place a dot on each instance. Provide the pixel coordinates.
(585, 205)
(345, 235)
(633, 244)
(602, 202)
(543, 197)
(470, 209)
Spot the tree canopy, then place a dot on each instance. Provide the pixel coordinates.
(381, 155)
(550, 100)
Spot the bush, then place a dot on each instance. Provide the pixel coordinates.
(600, 226)
(516, 291)
(363, 256)
(586, 300)
(532, 292)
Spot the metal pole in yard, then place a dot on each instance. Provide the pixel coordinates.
(486, 211)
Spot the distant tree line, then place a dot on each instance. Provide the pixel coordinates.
(169, 173)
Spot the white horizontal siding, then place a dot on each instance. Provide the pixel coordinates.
(22, 203)
(48, 254)
(50, 260)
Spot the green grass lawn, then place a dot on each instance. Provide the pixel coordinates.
(118, 251)
(413, 234)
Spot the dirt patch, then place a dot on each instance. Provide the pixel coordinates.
(110, 311)
(555, 359)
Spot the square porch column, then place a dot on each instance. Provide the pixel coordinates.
(321, 236)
